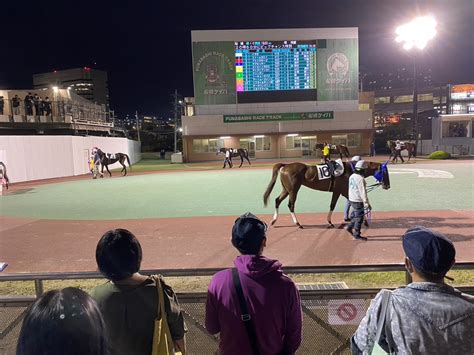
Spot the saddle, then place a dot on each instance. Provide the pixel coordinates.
(110, 156)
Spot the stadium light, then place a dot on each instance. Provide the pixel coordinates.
(416, 34)
(55, 89)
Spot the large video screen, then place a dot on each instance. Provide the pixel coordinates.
(273, 71)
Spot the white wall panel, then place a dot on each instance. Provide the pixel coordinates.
(44, 157)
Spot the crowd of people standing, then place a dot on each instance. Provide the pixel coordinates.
(34, 105)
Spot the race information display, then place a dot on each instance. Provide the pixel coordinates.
(268, 71)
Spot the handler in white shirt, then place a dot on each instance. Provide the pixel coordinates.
(358, 199)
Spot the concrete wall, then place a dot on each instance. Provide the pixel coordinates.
(214, 125)
(42, 157)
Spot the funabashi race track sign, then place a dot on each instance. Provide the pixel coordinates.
(342, 312)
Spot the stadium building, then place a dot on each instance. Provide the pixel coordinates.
(276, 92)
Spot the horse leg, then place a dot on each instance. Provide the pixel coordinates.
(107, 167)
(247, 157)
(335, 197)
(291, 206)
(278, 201)
(241, 161)
(123, 169)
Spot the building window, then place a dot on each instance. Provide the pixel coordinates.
(207, 145)
(382, 100)
(293, 142)
(403, 98)
(354, 140)
(339, 139)
(455, 129)
(262, 143)
(425, 97)
(364, 107)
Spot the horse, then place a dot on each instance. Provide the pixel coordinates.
(234, 153)
(3, 175)
(294, 175)
(340, 149)
(107, 159)
(409, 147)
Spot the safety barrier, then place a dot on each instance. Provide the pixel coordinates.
(330, 316)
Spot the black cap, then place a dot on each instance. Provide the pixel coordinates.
(430, 252)
(248, 233)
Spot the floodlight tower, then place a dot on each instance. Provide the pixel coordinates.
(416, 35)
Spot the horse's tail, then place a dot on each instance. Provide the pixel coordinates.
(266, 195)
(128, 161)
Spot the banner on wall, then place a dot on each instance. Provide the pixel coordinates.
(214, 73)
(338, 70)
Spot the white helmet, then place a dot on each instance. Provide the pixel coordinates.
(356, 158)
(361, 164)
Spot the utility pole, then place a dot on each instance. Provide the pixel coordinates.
(415, 101)
(138, 126)
(175, 120)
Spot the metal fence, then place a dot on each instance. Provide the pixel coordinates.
(330, 317)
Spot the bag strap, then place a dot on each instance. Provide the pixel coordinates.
(380, 324)
(245, 316)
(161, 298)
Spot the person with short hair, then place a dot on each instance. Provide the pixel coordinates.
(358, 199)
(272, 298)
(2, 105)
(29, 104)
(61, 322)
(427, 316)
(129, 301)
(16, 105)
(47, 106)
(347, 207)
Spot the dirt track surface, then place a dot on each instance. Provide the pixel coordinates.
(67, 246)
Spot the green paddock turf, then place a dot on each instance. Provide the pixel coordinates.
(220, 192)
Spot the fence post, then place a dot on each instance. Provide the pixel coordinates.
(39, 288)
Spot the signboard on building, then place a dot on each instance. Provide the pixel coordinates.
(338, 70)
(462, 92)
(323, 115)
(214, 73)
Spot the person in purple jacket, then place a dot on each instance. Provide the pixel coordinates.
(272, 298)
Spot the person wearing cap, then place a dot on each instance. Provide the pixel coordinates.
(347, 207)
(398, 152)
(358, 199)
(272, 298)
(427, 316)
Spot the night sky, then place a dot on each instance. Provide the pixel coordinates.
(146, 45)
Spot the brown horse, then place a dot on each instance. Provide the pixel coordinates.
(340, 149)
(294, 175)
(409, 147)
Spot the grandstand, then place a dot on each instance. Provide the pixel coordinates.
(63, 113)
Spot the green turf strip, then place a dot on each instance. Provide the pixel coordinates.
(220, 192)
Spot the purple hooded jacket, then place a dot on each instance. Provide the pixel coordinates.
(273, 302)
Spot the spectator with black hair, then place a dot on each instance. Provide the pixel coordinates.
(2, 105)
(16, 105)
(47, 106)
(61, 322)
(427, 316)
(129, 301)
(29, 104)
(255, 307)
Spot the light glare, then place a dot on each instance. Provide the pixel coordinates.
(416, 33)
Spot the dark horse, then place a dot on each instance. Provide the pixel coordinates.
(240, 152)
(3, 175)
(340, 149)
(294, 175)
(108, 159)
(409, 147)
